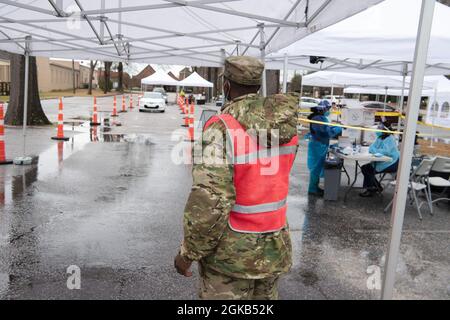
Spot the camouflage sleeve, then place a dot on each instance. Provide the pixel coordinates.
(211, 199)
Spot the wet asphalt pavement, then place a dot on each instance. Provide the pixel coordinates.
(112, 205)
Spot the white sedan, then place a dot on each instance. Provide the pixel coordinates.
(152, 102)
(308, 103)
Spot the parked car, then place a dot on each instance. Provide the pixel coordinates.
(152, 102)
(163, 92)
(381, 107)
(334, 99)
(200, 99)
(220, 101)
(308, 103)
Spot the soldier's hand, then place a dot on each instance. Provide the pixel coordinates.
(183, 266)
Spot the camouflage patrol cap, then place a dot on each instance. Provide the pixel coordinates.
(247, 71)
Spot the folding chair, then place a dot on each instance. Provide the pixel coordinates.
(418, 183)
(441, 165)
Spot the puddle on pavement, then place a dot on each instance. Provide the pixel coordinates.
(51, 161)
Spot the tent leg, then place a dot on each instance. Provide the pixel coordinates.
(433, 117)
(262, 47)
(285, 73)
(223, 54)
(415, 94)
(25, 94)
(402, 98)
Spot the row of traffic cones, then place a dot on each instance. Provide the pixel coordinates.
(60, 131)
(188, 109)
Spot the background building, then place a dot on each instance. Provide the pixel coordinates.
(57, 75)
(5, 77)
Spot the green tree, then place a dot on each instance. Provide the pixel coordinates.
(296, 83)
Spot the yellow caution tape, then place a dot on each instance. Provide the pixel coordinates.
(378, 114)
(359, 128)
(385, 114)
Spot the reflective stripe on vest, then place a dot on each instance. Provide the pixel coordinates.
(260, 208)
(261, 200)
(263, 154)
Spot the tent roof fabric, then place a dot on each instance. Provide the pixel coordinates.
(379, 40)
(160, 78)
(183, 32)
(195, 80)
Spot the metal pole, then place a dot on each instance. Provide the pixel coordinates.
(407, 148)
(433, 117)
(285, 73)
(385, 96)
(222, 52)
(102, 25)
(402, 98)
(301, 89)
(262, 47)
(25, 94)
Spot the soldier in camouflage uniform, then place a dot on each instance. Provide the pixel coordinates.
(235, 265)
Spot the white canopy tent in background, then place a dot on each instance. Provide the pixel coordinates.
(438, 97)
(159, 78)
(379, 40)
(195, 80)
(345, 79)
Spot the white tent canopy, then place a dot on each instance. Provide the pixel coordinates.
(379, 40)
(441, 83)
(195, 80)
(182, 32)
(344, 79)
(160, 78)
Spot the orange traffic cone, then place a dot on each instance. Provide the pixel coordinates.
(114, 113)
(60, 135)
(124, 106)
(2, 139)
(131, 102)
(191, 119)
(94, 121)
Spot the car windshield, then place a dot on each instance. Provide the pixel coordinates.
(160, 90)
(153, 95)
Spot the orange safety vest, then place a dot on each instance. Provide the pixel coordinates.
(261, 195)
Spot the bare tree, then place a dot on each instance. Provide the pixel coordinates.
(107, 76)
(14, 113)
(91, 76)
(120, 71)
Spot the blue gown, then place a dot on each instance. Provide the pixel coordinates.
(318, 148)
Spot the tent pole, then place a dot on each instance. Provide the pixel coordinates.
(407, 147)
(222, 52)
(25, 93)
(262, 47)
(301, 89)
(433, 117)
(285, 73)
(402, 98)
